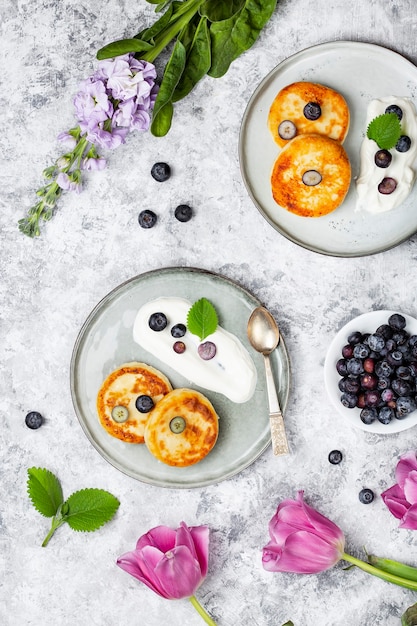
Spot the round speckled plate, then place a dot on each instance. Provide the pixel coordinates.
(361, 72)
(366, 323)
(105, 342)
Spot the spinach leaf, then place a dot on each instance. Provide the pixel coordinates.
(198, 61)
(218, 10)
(231, 37)
(123, 46)
(163, 109)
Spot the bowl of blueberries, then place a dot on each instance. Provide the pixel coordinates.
(370, 372)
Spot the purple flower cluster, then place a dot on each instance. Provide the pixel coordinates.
(118, 97)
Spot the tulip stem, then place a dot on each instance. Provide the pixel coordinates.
(206, 617)
(387, 576)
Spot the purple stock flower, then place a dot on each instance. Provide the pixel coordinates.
(401, 498)
(173, 563)
(67, 182)
(92, 101)
(94, 164)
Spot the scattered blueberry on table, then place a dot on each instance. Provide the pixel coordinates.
(183, 213)
(147, 218)
(366, 496)
(34, 420)
(161, 172)
(335, 457)
(379, 372)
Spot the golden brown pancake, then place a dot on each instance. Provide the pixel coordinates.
(121, 389)
(306, 154)
(190, 437)
(289, 105)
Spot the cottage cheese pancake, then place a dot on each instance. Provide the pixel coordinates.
(401, 170)
(231, 371)
(308, 108)
(311, 176)
(182, 428)
(116, 400)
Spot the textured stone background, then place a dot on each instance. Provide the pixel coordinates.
(49, 286)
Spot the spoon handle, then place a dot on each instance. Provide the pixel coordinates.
(276, 421)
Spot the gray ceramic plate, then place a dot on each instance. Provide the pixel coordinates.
(361, 72)
(105, 342)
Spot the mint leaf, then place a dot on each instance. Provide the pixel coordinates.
(385, 130)
(45, 491)
(409, 618)
(89, 509)
(202, 319)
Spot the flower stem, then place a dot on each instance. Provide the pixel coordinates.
(206, 617)
(387, 576)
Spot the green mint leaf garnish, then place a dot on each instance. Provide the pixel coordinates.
(45, 491)
(202, 319)
(85, 510)
(385, 130)
(409, 618)
(89, 509)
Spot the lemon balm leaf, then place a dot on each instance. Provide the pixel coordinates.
(88, 509)
(202, 319)
(44, 490)
(385, 130)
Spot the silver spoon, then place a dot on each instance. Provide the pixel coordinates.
(263, 334)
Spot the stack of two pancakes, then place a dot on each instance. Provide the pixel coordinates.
(316, 146)
(173, 445)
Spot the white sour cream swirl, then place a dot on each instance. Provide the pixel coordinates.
(231, 372)
(401, 168)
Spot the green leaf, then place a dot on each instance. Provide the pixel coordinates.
(202, 319)
(163, 103)
(150, 33)
(198, 61)
(218, 10)
(231, 37)
(45, 491)
(123, 46)
(409, 618)
(385, 130)
(288, 624)
(89, 509)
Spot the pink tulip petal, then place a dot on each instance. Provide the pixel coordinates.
(406, 464)
(200, 536)
(303, 553)
(130, 563)
(409, 520)
(162, 537)
(324, 527)
(410, 487)
(179, 573)
(395, 501)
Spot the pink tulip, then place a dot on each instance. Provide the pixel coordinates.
(401, 498)
(302, 540)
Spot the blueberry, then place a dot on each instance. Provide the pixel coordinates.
(394, 108)
(341, 367)
(368, 415)
(383, 369)
(385, 414)
(311, 178)
(382, 158)
(383, 383)
(385, 331)
(369, 365)
(387, 186)
(355, 337)
(354, 367)
(376, 342)
(33, 420)
(403, 144)
(147, 218)
(161, 172)
(179, 347)
(207, 350)
(405, 405)
(335, 457)
(400, 337)
(157, 322)
(177, 424)
(369, 381)
(342, 384)
(312, 111)
(347, 351)
(178, 330)
(183, 213)
(397, 321)
(366, 496)
(361, 351)
(395, 358)
(287, 129)
(352, 385)
(349, 400)
(401, 387)
(372, 398)
(387, 395)
(403, 372)
(144, 404)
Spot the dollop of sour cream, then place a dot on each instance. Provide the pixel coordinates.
(230, 372)
(402, 166)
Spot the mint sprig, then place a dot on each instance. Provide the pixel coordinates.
(385, 130)
(202, 319)
(85, 510)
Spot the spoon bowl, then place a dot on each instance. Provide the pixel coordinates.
(263, 334)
